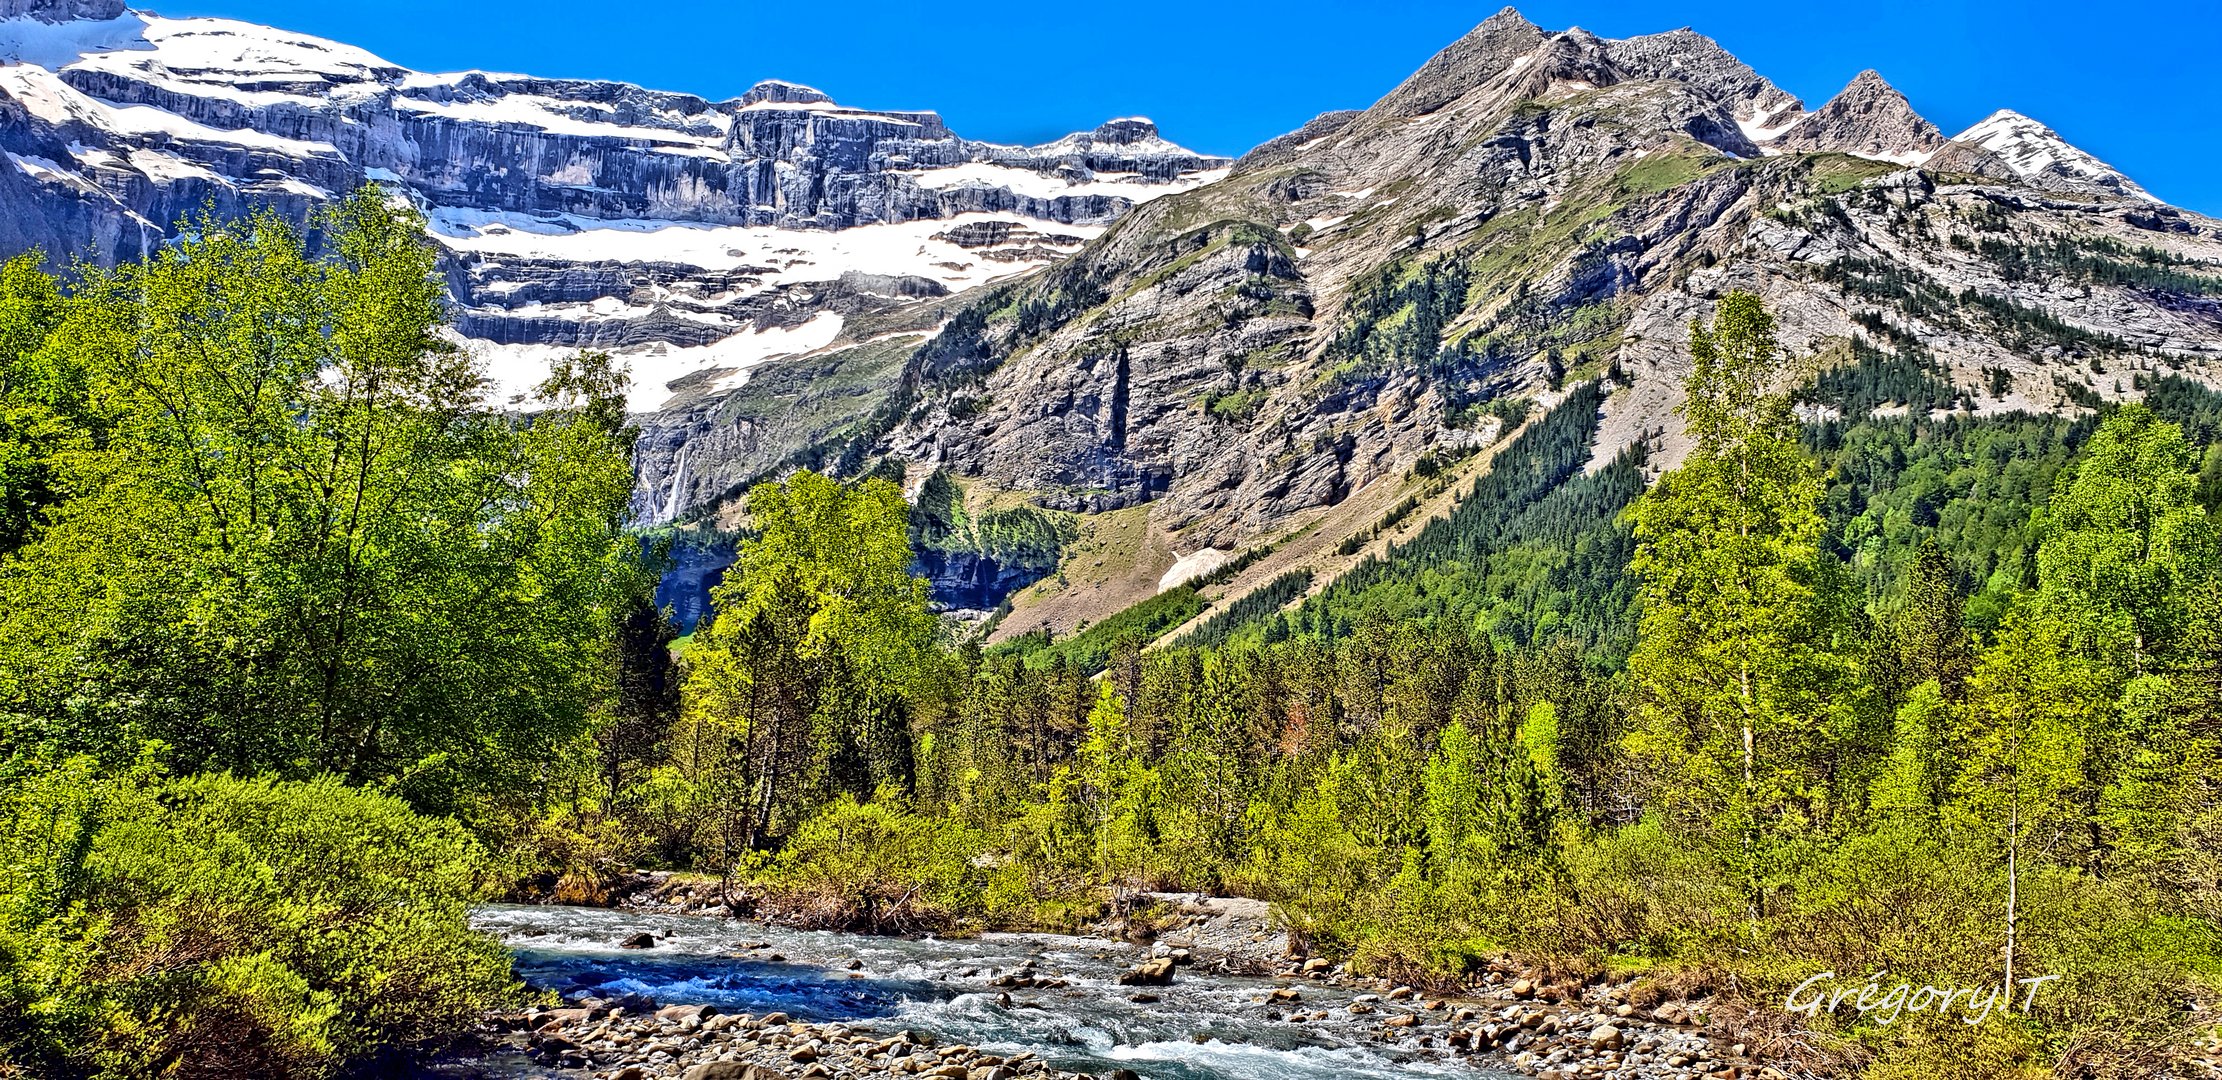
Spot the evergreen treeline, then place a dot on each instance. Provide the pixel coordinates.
(1397, 314)
(1731, 731)
(1256, 604)
(1532, 553)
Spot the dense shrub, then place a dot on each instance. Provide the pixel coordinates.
(877, 866)
(216, 927)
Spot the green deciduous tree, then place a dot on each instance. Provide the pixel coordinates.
(2030, 702)
(35, 400)
(2126, 541)
(210, 927)
(797, 685)
(1741, 680)
(296, 539)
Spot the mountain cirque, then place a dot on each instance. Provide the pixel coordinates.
(686, 235)
(1192, 354)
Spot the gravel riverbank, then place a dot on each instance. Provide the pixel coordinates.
(641, 1001)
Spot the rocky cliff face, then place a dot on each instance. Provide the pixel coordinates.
(61, 11)
(1280, 359)
(1869, 118)
(695, 238)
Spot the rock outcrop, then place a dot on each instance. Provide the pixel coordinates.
(1868, 118)
(61, 11)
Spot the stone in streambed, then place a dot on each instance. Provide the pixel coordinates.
(1156, 971)
(641, 940)
(732, 1070)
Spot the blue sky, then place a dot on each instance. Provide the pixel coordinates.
(2135, 84)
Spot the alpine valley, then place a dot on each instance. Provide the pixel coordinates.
(1117, 366)
(1588, 568)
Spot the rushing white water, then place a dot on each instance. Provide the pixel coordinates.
(1202, 1027)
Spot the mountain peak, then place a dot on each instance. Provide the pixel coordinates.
(2038, 155)
(782, 92)
(1868, 118)
(1760, 108)
(1125, 130)
(1484, 53)
(1506, 17)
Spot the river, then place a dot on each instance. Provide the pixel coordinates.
(1203, 1027)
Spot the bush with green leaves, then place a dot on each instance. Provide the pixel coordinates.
(877, 865)
(212, 927)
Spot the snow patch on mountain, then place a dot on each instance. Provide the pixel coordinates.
(1190, 567)
(511, 371)
(779, 256)
(1764, 125)
(1041, 185)
(2039, 155)
(51, 45)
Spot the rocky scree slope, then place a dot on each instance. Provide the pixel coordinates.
(1349, 317)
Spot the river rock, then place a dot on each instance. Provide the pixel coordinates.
(1156, 971)
(732, 1070)
(643, 940)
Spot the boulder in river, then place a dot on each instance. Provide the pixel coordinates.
(1156, 971)
(643, 940)
(732, 1070)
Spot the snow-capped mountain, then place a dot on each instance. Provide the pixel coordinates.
(687, 235)
(2038, 155)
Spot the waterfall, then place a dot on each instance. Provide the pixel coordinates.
(671, 498)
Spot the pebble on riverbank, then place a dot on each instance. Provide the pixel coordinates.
(633, 1039)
